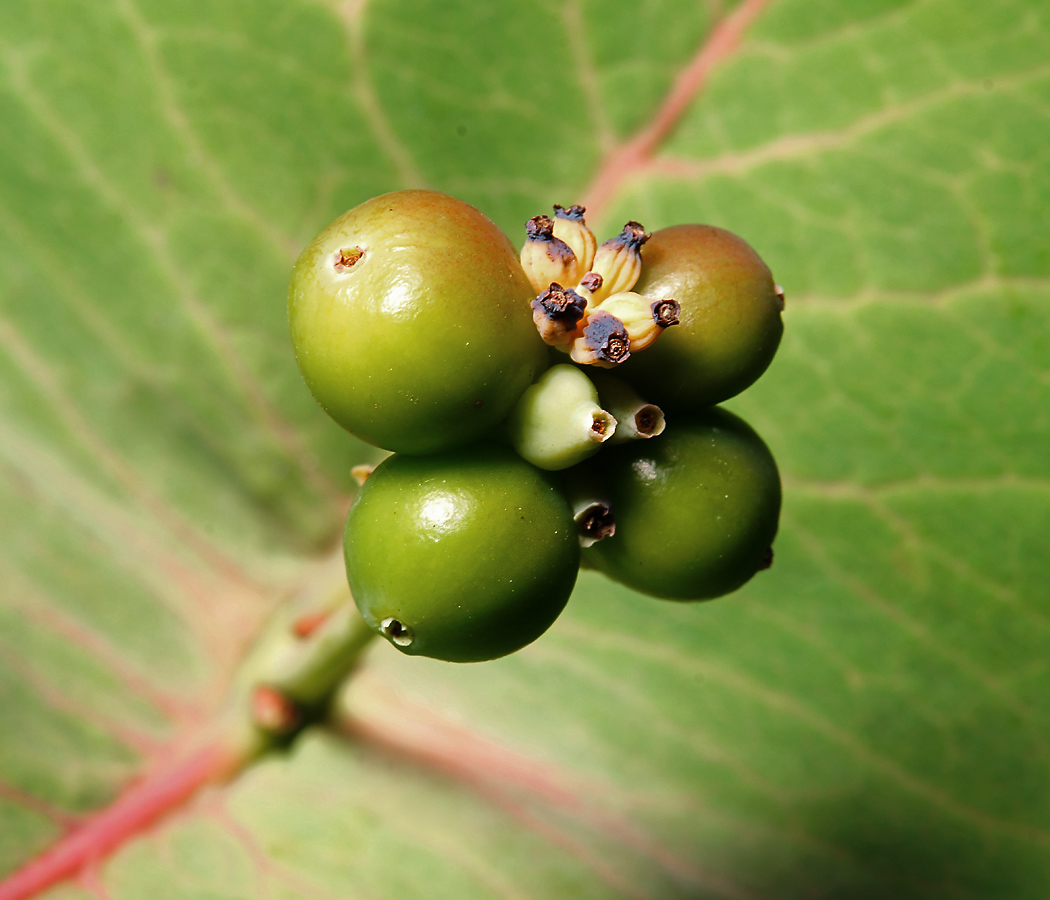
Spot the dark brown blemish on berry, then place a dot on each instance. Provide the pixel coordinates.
(767, 559)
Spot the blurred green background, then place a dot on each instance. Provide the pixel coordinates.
(868, 719)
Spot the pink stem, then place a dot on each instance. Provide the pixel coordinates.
(155, 796)
(636, 152)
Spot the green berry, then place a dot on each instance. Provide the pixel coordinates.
(411, 322)
(729, 325)
(696, 510)
(462, 556)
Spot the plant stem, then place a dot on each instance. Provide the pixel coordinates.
(160, 791)
(284, 685)
(304, 654)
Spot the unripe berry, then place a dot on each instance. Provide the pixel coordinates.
(696, 510)
(411, 323)
(729, 324)
(461, 556)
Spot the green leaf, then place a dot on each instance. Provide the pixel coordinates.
(867, 719)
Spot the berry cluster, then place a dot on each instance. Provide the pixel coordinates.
(420, 329)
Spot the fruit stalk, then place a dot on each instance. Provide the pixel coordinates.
(306, 651)
(284, 685)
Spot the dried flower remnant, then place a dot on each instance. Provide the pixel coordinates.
(636, 418)
(557, 313)
(589, 285)
(644, 320)
(347, 258)
(604, 342)
(546, 258)
(594, 522)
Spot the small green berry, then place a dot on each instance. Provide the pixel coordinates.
(462, 556)
(696, 511)
(729, 324)
(411, 323)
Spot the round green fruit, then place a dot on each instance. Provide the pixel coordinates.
(411, 322)
(730, 323)
(462, 556)
(696, 509)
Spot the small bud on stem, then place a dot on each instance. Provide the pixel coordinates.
(274, 712)
(619, 261)
(643, 319)
(558, 422)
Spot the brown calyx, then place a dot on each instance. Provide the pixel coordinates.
(592, 281)
(348, 258)
(666, 312)
(633, 235)
(574, 212)
(397, 632)
(645, 420)
(597, 522)
(607, 337)
(561, 304)
(540, 228)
